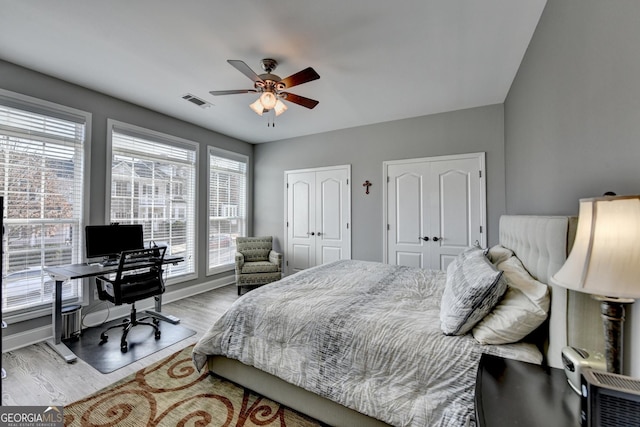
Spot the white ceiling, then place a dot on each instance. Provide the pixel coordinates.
(378, 60)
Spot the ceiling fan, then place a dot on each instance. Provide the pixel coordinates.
(271, 87)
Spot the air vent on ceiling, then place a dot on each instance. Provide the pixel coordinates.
(197, 101)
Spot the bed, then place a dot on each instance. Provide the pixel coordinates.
(362, 343)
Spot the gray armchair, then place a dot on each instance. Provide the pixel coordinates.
(256, 262)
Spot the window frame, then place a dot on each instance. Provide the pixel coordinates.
(230, 155)
(64, 112)
(164, 138)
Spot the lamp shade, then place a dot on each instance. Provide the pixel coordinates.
(279, 108)
(257, 107)
(605, 259)
(268, 100)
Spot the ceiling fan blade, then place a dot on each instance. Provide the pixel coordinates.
(304, 76)
(244, 69)
(300, 100)
(231, 92)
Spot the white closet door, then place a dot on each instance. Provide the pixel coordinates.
(435, 208)
(301, 214)
(332, 212)
(407, 205)
(457, 209)
(318, 217)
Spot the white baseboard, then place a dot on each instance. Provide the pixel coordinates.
(43, 333)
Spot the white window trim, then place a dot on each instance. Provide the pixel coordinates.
(55, 109)
(169, 139)
(231, 155)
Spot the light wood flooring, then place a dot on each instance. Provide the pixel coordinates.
(36, 375)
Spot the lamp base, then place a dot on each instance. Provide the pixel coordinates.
(612, 312)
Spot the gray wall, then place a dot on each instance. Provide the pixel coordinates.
(31, 83)
(365, 148)
(572, 117)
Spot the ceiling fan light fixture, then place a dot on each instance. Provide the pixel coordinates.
(271, 88)
(268, 100)
(257, 107)
(280, 107)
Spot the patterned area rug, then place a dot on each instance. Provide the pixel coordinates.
(172, 393)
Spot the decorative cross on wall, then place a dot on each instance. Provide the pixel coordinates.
(367, 184)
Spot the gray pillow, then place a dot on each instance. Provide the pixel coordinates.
(473, 287)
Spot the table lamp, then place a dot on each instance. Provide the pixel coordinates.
(605, 262)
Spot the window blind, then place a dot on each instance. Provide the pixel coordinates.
(227, 206)
(153, 183)
(42, 181)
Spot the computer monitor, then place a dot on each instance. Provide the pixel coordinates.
(108, 241)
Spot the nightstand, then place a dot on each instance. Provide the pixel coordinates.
(514, 393)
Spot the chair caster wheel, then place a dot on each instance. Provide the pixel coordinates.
(104, 337)
(124, 347)
(157, 335)
(156, 321)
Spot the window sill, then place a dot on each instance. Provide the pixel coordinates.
(221, 269)
(42, 310)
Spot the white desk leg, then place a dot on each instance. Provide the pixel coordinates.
(56, 343)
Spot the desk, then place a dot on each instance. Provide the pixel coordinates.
(62, 273)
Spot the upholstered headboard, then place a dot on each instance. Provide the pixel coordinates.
(542, 243)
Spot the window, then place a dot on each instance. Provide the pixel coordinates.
(42, 180)
(227, 207)
(153, 183)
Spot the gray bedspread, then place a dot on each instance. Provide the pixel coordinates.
(364, 334)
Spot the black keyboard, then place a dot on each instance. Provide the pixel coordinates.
(132, 260)
(136, 256)
(141, 255)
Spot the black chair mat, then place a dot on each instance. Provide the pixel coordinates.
(107, 357)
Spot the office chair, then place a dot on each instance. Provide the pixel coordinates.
(139, 276)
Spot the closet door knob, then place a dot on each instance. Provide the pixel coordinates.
(435, 239)
(312, 233)
(319, 233)
(425, 238)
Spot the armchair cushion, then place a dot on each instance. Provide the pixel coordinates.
(259, 267)
(254, 248)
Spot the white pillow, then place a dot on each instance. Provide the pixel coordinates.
(523, 308)
(473, 287)
(498, 254)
